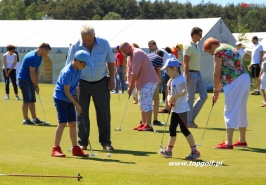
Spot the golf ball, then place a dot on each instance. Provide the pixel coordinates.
(108, 155)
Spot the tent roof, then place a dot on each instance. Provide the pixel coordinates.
(60, 33)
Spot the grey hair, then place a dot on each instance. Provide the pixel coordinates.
(87, 30)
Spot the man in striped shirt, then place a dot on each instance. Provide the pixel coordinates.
(157, 62)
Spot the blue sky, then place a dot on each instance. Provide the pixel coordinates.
(222, 2)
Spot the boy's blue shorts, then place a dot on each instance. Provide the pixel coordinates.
(66, 112)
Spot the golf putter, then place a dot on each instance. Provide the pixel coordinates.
(206, 126)
(161, 145)
(120, 127)
(45, 123)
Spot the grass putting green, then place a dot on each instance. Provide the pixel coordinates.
(26, 149)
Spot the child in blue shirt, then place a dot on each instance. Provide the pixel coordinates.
(65, 94)
(177, 95)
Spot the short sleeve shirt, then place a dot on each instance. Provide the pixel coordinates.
(193, 51)
(232, 63)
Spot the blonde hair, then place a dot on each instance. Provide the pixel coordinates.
(87, 30)
(135, 45)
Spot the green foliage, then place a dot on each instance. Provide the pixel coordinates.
(238, 19)
(112, 16)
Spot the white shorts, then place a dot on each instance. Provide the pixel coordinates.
(236, 98)
(263, 84)
(145, 96)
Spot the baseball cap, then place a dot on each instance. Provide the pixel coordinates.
(117, 47)
(180, 46)
(171, 62)
(82, 56)
(238, 43)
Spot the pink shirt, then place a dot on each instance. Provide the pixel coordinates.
(140, 65)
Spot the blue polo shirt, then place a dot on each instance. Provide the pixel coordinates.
(31, 59)
(100, 55)
(67, 76)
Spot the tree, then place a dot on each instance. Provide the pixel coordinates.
(241, 28)
(112, 16)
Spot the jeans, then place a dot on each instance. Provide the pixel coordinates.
(120, 80)
(195, 84)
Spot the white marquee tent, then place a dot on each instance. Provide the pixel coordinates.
(27, 35)
(248, 44)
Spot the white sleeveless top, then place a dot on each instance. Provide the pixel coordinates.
(9, 59)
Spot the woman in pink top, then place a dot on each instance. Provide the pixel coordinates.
(140, 72)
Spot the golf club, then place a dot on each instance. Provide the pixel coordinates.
(91, 154)
(119, 129)
(118, 78)
(45, 123)
(169, 112)
(205, 126)
(78, 177)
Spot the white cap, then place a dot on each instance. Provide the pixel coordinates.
(238, 43)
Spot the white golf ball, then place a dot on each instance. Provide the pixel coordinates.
(108, 155)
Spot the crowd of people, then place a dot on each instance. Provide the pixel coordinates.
(89, 74)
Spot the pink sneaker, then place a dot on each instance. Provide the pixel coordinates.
(223, 146)
(238, 144)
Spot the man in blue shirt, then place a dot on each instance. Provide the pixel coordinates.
(28, 81)
(94, 83)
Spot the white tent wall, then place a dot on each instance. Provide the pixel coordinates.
(248, 44)
(60, 33)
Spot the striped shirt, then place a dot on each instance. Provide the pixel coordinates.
(156, 60)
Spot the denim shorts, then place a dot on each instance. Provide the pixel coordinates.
(66, 112)
(27, 90)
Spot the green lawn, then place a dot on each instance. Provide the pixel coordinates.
(26, 149)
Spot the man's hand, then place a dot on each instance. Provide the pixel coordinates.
(111, 84)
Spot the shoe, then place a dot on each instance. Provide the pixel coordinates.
(162, 101)
(192, 125)
(27, 122)
(256, 93)
(77, 151)
(6, 98)
(223, 146)
(57, 152)
(114, 92)
(238, 144)
(263, 105)
(193, 156)
(165, 153)
(146, 127)
(108, 147)
(139, 126)
(83, 147)
(163, 110)
(157, 123)
(135, 102)
(38, 121)
(121, 92)
(17, 97)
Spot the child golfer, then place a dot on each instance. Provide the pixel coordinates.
(177, 94)
(65, 103)
(262, 78)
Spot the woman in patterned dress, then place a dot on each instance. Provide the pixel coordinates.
(231, 75)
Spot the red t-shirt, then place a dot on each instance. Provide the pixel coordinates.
(119, 56)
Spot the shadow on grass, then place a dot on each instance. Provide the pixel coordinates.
(132, 152)
(249, 149)
(106, 160)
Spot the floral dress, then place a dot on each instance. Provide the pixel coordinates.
(232, 63)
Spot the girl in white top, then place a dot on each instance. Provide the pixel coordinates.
(262, 78)
(9, 63)
(177, 94)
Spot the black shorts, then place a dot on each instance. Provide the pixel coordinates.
(255, 70)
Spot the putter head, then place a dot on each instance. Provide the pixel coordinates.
(93, 155)
(118, 129)
(198, 144)
(161, 146)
